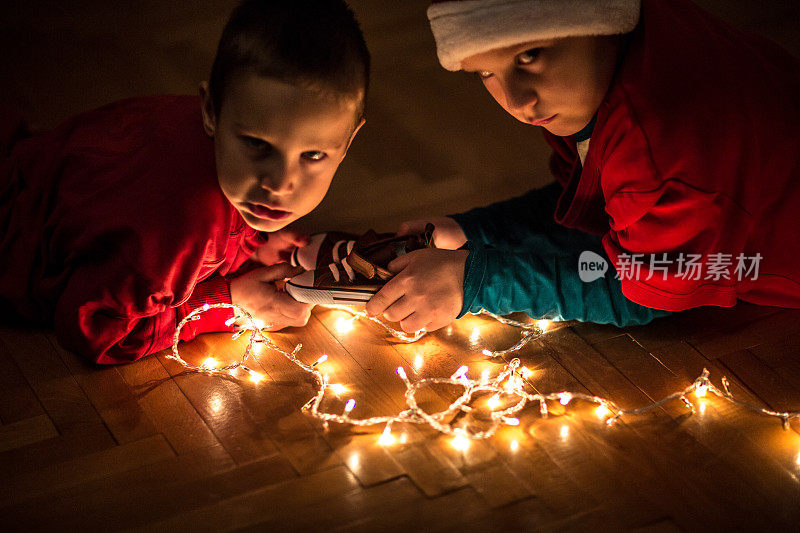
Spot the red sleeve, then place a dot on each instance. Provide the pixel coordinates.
(113, 318)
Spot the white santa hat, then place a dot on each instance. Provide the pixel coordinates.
(467, 27)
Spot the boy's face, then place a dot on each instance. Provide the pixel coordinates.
(277, 147)
(557, 84)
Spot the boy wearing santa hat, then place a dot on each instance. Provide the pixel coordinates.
(676, 155)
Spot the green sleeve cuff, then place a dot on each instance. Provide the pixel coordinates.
(474, 273)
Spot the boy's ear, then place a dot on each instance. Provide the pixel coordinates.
(353, 136)
(207, 108)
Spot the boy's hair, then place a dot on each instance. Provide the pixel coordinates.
(312, 43)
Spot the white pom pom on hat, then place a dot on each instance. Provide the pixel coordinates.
(467, 27)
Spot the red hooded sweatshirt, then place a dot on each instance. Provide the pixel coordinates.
(695, 152)
(113, 227)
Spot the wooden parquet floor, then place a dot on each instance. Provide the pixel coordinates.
(147, 446)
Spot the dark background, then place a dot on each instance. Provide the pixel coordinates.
(434, 142)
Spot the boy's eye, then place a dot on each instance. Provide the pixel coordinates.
(314, 155)
(483, 74)
(256, 143)
(528, 56)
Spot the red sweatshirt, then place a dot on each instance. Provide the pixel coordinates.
(113, 226)
(696, 152)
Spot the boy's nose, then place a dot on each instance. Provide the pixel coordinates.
(520, 97)
(278, 181)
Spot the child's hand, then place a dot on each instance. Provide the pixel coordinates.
(426, 293)
(448, 235)
(279, 245)
(257, 294)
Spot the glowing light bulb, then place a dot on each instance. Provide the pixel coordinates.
(460, 442)
(386, 438)
(514, 445)
(512, 383)
(338, 389)
(403, 438)
(461, 372)
(322, 359)
(206, 307)
(259, 324)
(256, 377)
(543, 324)
(485, 375)
(564, 432)
(511, 421)
(210, 362)
(449, 330)
(418, 362)
(487, 352)
(230, 321)
(526, 372)
(401, 372)
(494, 402)
(798, 459)
(350, 405)
(701, 390)
(565, 397)
(602, 411)
(345, 325)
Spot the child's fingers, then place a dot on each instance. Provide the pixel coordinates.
(289, 307)
(278, 271)
(400, 263)
(413, 323)
(294, 236)
(411, 226)
(399, 310)
(385, 297)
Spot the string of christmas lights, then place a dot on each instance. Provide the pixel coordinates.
(507, 388)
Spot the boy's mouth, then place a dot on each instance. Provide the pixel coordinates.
(262, 211)
(543, 121)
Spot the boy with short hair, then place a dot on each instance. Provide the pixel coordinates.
(676, 154)
(122, 220)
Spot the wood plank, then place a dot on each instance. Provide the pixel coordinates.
(433, 475)
(766, 384)
(230, 405)
(54, 450)
(154, 490)
(738, 439)
(781, 355)
(392, 506)
(57, 391)
(273, 504)
(17, 399)
(110, 395)
(683, 457)
(636, 465)
(166, 406)
(442, 353)
(86, 468)
(27, 431)
(698, 323)
(748, 334)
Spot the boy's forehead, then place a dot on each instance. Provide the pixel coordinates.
(260, 102)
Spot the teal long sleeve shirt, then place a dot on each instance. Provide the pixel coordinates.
(521, 260)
